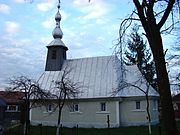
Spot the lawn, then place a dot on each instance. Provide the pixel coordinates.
(136, 130)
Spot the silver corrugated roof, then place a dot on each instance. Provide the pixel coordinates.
(133, 76)
(57, 42)
(98, 77)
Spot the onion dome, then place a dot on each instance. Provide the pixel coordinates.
(57, 32)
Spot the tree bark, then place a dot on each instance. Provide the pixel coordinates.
(27, 121)
(148, 113)
(59, 120)
(167, 112)
(152, 30)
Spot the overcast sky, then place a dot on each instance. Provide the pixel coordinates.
(90, 29)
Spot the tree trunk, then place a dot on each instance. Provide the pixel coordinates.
(27, 121)
(148, 113)
(149, 127)
(167, 112)
(24, 128)
(152, 30)
(59, 121)
(58, 129)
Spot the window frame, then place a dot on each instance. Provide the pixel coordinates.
(13, 108)
(75, 108)
(49, 108)
(54, 54)
(103, 107)
(138, 105)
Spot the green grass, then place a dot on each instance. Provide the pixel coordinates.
(136, 130)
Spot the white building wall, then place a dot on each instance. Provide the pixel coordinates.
(154, 111)
(121, 113)
(89, 115)
(130, 116)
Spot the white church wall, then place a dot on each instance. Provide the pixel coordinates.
(130, 115)
(89, 115)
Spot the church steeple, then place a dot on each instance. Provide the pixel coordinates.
(56, 48)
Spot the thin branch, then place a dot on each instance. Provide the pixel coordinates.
(166, 13)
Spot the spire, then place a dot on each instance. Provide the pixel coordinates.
(56, 49)
(57, 32)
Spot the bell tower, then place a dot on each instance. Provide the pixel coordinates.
(56, 49)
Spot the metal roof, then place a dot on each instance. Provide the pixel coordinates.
(138, 85)
(98, 77)
(57, 42)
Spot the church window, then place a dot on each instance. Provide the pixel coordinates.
(53, 56)
(103, 106)
(138, 105)
(49, 108)
(75, 108)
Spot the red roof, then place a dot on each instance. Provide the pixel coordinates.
(176, 97)
(12, 96)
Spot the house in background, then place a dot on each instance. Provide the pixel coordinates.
(99, 78)
(176, 104)
(10, 105)
(2, 108)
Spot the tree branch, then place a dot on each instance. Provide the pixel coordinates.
(141, 14)
(166, 13)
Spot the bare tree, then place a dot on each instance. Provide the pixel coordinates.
(32, 94)
(64, 89)
(173, 62)
(153, 14)
(140, 84)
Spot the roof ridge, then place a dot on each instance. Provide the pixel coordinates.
(91, 57)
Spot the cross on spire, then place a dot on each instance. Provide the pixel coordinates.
(59, 4)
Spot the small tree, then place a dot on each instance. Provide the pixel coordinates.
(32, 93)
(137, 53)
(63, 90)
